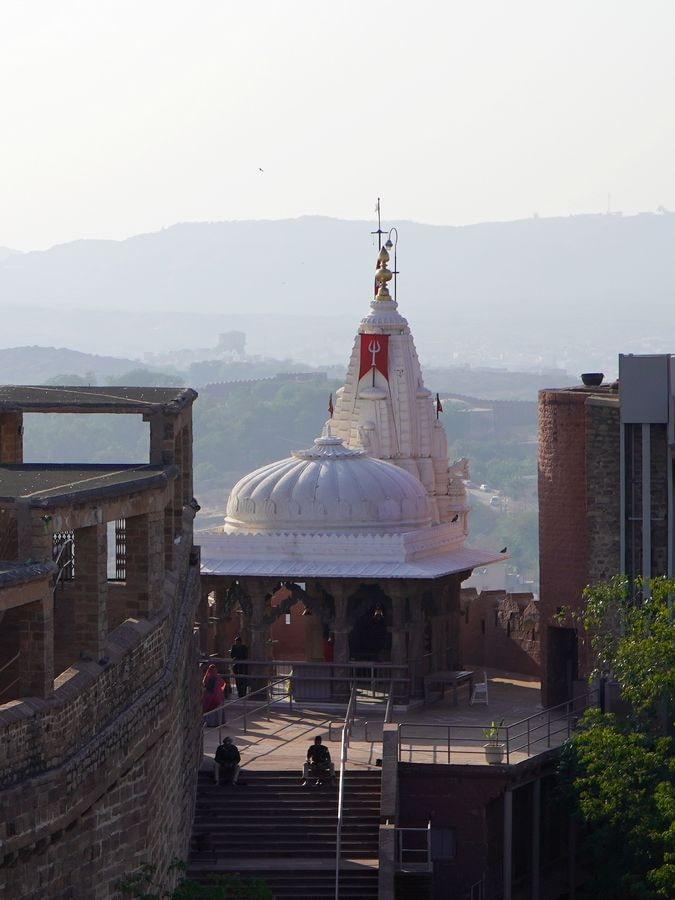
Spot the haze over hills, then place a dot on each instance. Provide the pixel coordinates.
(571, 292)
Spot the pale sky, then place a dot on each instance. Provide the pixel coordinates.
(124, 116)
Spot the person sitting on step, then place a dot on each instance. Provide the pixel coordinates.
(318, 765)
(227, 762)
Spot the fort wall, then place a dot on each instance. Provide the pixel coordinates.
(101, 776)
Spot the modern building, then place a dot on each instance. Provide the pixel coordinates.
(605, 500)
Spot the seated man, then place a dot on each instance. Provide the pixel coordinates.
(318, 763)
(227, 762)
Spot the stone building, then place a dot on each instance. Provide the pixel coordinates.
(605, 500)
(367, 528)
(99, 698)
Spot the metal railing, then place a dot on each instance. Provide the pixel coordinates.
(530, 736)
(265, 697)
(7, 688)
(344, 748)
(325, 681)
(419, 848)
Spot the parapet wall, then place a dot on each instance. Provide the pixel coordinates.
(499, 630)
(101, 776)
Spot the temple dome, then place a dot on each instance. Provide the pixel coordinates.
(328, 488)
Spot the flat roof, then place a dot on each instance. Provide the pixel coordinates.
(12, 573)
(50, 485)
(42, 398)
(223, 554)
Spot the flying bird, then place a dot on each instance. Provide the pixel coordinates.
(260, 170)
(503, 550)
(455, 517)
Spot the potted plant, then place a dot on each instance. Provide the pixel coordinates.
(494, 749)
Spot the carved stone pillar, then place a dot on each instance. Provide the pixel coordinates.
(416, 642)
(223, 617)
(259, 646)
(203, 619)
(399, 651)
(314, 622)
(341, 631)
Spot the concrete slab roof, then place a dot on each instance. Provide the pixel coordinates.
(50, 485)
(41, 398)
(12, 573)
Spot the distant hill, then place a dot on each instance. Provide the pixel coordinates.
(568, 292)
(34, 365)
(6, 252)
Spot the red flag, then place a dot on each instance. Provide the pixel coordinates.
(439, 405)
(330, 405)
(374, 354)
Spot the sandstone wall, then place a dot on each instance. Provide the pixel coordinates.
(563, 527)
(603, 490)
(102, 776)
(500, 631)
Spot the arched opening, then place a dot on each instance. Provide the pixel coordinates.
(370, 636)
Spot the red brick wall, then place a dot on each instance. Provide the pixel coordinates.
(563, 533)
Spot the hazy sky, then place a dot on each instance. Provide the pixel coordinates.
(123, 116)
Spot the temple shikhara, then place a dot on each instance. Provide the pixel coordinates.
(367, 528)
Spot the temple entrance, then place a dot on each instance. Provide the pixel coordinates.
(370, 637)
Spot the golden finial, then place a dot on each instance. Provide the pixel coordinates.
(382, 275)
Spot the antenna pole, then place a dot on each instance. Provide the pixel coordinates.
(379, 231)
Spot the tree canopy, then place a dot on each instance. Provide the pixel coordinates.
(619, 770)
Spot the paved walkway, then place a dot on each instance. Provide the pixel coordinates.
(281, 741)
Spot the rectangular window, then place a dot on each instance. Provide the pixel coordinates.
(287, 618)
(117, 550)
(443, 843)
(63, 554)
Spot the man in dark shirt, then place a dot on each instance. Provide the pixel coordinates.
(227, 762)
(318, 762)
(239, 655)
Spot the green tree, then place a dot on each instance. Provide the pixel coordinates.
(619, 772)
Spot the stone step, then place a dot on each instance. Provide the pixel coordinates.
(273, 814)
(314, 884)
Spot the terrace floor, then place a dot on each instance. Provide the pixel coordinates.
(437, 732)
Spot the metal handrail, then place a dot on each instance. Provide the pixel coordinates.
(10, 661)
(344, 747)
(10, 685)
(389, 709)
(242, 701)
(425, 850)
(520, 735)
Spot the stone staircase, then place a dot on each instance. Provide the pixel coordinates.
(272, 827)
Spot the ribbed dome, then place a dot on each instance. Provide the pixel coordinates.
(328, 487)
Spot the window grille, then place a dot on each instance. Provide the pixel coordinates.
(117, 566)
(63, 552)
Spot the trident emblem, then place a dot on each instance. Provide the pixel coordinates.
(374, 348)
